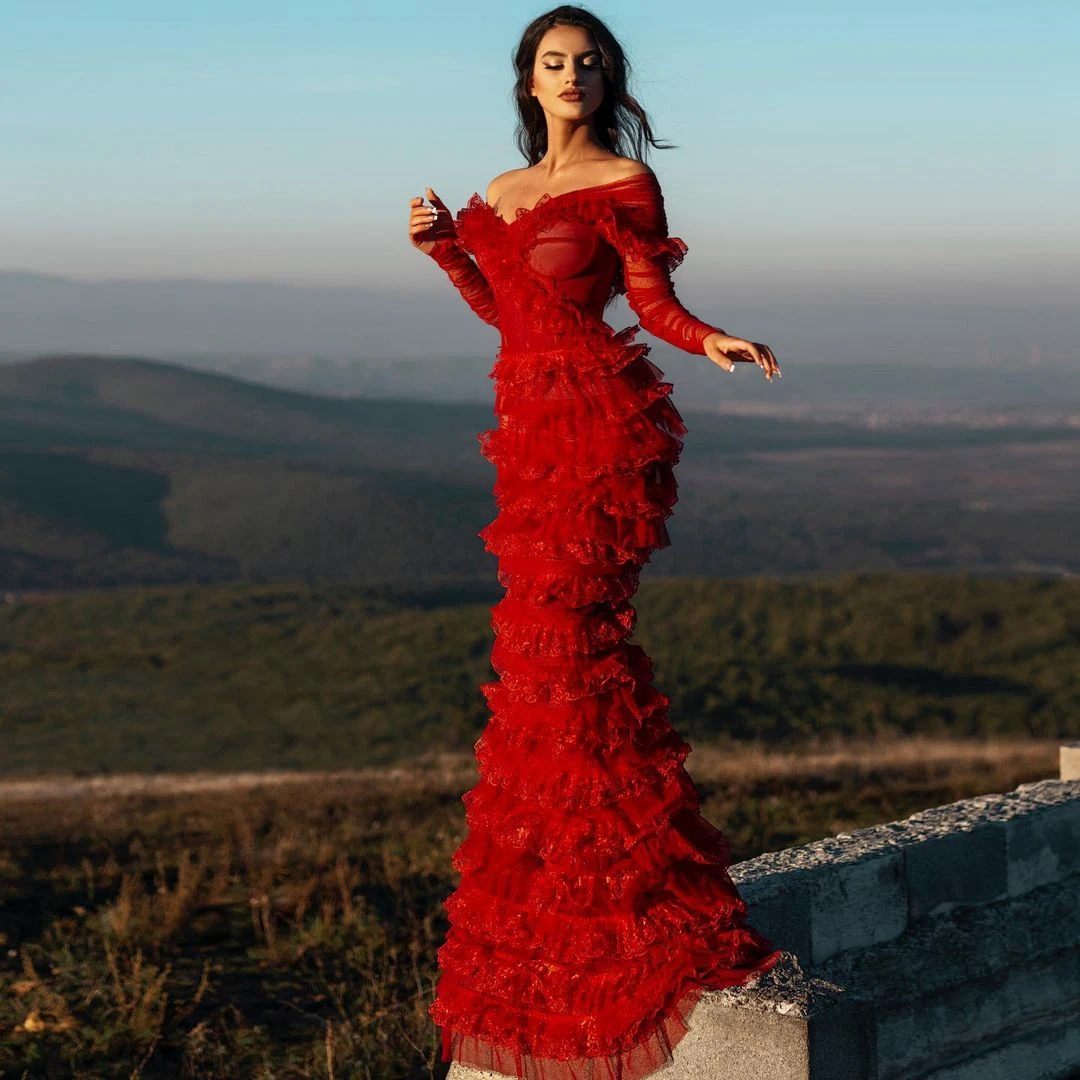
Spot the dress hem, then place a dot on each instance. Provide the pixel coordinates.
(645, 1057)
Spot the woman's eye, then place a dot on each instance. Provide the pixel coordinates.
(558, 67)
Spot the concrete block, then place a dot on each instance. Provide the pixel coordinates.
(1043, 845)
(780, 1037)
(779, 906)
(955, 986)
(966, 866)
(733, 1044)
(843, 892)
(1069, 761)
(968, 1019)
(857, 904)
(1050, 1053)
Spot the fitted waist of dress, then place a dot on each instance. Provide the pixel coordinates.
(519, 339)
(523, 328)
(566, 343)
(535, 343)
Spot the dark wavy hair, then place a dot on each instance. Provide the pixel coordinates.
(620, 121)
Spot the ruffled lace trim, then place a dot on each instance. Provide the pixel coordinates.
(529, 769)
(606, 401)
(588, 535)
(651, 493)
(573, 585)
(587, 839)
(625, 714)
(532, 681)
(526, 372)
(635, 946)
(499, 1048)
(548, 632)
(686, 837)
(569, 443)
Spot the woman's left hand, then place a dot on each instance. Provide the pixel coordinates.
(724, 350)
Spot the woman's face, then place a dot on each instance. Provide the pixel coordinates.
(567, 59)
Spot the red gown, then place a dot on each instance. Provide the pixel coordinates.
(595, 904)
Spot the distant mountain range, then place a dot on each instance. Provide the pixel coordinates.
(121, 470)
(51, 313)
(422, 341)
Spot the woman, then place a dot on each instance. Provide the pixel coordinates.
(594, 903)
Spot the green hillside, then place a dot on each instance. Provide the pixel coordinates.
(143, 403)
(336, 676)
(116, 472)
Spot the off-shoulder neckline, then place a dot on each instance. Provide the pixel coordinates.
(545, 198)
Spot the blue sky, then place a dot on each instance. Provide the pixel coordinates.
(914, 151)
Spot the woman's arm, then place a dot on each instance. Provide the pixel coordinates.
(648, 257)
(640, 234)
(436, 235)
(467, 278)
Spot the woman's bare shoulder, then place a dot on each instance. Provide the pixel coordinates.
(498, 185)
(623, 168)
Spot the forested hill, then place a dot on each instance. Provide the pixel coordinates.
(135, 402)
(117, 470)
(248, 677)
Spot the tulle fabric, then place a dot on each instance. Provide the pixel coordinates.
(595, 904)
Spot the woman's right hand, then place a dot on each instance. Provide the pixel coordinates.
(425, 228)
(723, 350)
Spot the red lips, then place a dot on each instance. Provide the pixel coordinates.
(573, 95)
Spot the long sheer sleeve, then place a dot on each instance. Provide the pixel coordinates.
(467, 278)
(649, 255)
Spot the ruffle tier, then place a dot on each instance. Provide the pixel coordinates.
(618, 942)
(628, 713)
(652, 492)
(565, 447)
(530, 680)
(620, 383)
(537, 767)
(559, 420)
(686, 836)
(576, 585)
(593, 786)
(592, 836)
(581, 533)
(550, 631)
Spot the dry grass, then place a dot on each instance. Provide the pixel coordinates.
(1000, 757)
(285, 925)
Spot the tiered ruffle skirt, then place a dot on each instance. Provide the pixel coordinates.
(594, 905)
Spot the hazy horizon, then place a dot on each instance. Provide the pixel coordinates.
(168, 316)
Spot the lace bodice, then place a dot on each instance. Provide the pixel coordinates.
(545, 278)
